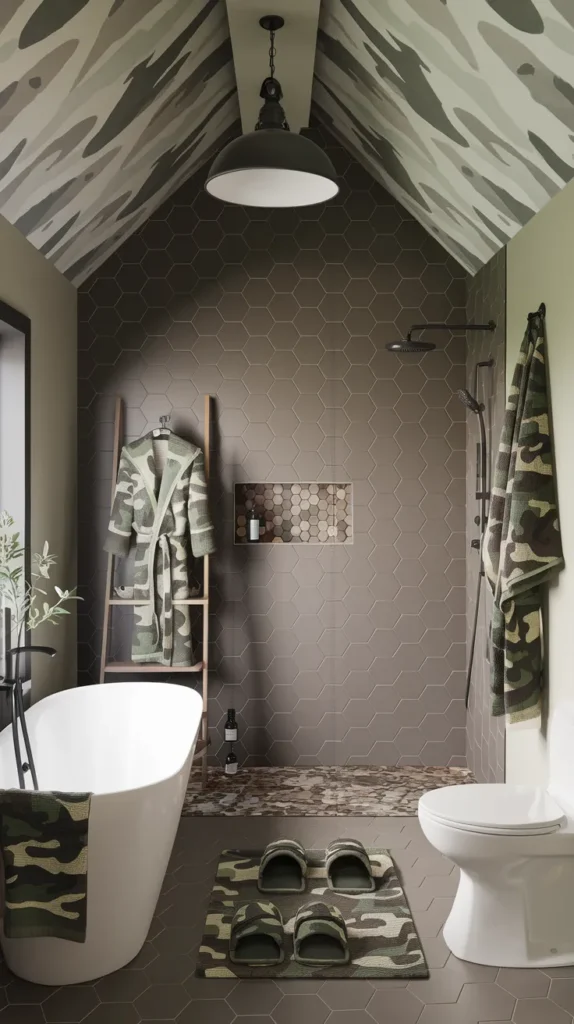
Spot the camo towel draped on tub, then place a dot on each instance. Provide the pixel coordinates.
(522, 547)
(44, 838)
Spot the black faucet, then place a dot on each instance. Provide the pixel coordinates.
(13, 684)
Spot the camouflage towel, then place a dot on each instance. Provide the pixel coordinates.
(522, 547)
(44, 838)
(383, 941)
(257, 919)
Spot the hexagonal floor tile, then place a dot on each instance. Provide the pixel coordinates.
(254, 997)
(540, 1011)
(397, 1005)
(306, 1009)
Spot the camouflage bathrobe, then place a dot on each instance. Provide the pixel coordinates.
(522, 549)
(168, 514)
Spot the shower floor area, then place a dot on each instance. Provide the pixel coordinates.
(368, 791)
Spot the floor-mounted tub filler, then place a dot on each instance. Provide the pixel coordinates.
(131, 745)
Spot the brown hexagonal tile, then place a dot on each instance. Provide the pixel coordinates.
(561, 992)
(72, 1003)
(398, 1005)
(539, 1011)
(254, 997)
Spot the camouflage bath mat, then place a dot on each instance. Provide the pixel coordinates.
(383, 940)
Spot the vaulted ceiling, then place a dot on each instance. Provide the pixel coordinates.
(464, 110)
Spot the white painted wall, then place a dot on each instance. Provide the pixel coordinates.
(34, 287)
(540, 268)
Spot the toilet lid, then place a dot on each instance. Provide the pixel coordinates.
(495, 808)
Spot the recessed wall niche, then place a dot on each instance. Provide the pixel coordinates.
(318, 513)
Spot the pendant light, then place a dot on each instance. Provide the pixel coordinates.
(271, 166)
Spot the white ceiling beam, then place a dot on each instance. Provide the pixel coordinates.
(295, 43)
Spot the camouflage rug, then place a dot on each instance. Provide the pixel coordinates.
(383, 940)
(371, 791)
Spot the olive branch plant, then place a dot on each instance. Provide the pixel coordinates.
(24, 597)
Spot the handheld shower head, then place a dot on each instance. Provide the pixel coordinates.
(467, 399)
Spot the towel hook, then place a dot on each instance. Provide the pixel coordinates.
(163, 430)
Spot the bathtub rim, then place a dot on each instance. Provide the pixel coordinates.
(6, 732)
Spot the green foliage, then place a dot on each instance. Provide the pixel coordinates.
(28, 601)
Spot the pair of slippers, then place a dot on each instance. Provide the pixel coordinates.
(283, 868)
(320, 938)
(257, 937)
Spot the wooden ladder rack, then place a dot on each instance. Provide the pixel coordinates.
(116, 667)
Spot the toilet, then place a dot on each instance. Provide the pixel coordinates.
(514, 846)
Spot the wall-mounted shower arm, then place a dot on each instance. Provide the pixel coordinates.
(411, 344)
(490, 326)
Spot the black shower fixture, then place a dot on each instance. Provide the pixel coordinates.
(467, 399)
(471, 402)
(416, 345)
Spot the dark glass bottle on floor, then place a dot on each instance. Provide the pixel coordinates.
(252, 527)
(231, 763)
(231, 732)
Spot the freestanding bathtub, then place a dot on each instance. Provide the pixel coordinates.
(131, 745)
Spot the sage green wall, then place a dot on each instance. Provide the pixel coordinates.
(540, 268)
(34, 287)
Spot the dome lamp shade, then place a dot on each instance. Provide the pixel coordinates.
(271, 166)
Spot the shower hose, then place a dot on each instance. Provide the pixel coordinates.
(473, 637)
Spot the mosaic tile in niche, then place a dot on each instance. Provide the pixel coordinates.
(297, 513)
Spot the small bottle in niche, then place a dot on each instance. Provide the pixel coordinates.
(231, 763)
(231, 727)
(253, 526)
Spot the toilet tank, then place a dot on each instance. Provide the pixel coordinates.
(561, 755)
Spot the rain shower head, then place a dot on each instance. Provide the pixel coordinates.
(412, 345)
(467, 399)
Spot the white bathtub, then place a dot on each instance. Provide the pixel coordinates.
(131, 745)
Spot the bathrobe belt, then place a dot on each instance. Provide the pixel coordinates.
(165, 631)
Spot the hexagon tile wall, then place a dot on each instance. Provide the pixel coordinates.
(335, 654)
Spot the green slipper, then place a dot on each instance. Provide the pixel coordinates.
(257, 935)
(348, 867)
(320, 936)
(283, 867)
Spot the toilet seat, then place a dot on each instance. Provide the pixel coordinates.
(494, 809)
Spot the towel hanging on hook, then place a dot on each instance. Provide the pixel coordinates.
(541, 311)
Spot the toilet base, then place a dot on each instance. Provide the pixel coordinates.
(515, 919)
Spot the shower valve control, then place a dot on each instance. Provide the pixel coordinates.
(476, 520)
(475, 544)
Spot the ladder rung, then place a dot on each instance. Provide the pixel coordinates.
(189, 600)
(200, 746)
(134, 666)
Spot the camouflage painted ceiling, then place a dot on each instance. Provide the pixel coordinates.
(465, 111)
